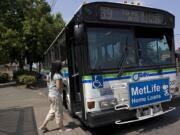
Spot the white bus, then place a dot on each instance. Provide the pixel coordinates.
(119, 63)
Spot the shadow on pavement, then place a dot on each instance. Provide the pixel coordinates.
(18, 121)
(70, 125)
(139, 127)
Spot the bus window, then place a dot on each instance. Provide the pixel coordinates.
(106, 47)
(164, 51)
(149, 50)
(155, 51)
(62, 48)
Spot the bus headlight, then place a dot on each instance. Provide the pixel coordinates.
(109, 103)
(91, 104)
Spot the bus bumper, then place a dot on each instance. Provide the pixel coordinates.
(119, 122)
(96, 119)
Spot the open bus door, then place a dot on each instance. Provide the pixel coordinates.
(74, 78)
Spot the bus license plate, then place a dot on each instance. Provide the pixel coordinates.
(148, 110)
(148, 92)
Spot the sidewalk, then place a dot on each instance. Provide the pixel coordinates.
(18, 108)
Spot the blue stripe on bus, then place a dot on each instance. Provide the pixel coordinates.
(120, 78)
(128, 77)
(87, 81)
(162, 73)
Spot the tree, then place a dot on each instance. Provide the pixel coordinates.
(3, 59)
(39, 34)
(26, 30)
(10, 30)
(12, 46)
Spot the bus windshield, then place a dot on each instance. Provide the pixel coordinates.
(106, 47)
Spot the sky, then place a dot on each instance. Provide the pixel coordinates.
(68, 7)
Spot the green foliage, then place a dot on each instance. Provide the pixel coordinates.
(27, 79)
(25, 72)
(4, 77)
(27, 28)
(3, 58)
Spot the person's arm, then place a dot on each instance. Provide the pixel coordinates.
(48, 79)
(59, 84)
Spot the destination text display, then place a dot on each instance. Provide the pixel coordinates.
(129, 15)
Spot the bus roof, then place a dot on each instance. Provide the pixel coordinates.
(104, 12)
(124, 5)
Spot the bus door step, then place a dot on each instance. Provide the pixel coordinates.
(120, 122)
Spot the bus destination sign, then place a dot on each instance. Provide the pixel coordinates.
(130, 15)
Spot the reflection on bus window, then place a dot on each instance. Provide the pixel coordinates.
(156, 51)
(164, 51)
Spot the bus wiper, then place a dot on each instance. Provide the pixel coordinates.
(123, 58)
(139, 53)
(121, 65)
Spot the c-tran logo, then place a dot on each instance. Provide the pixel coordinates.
(137, 76)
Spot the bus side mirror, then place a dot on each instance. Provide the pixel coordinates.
(79, 33)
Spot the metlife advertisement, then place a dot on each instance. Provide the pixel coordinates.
(148, 92)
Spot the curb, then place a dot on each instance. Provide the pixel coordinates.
(3, 85)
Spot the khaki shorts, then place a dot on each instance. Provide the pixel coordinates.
(56, 109)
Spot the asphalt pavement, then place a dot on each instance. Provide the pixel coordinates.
(23, 110)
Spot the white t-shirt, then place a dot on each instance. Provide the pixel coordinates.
(53, 91)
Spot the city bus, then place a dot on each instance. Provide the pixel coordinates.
(118, 63)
